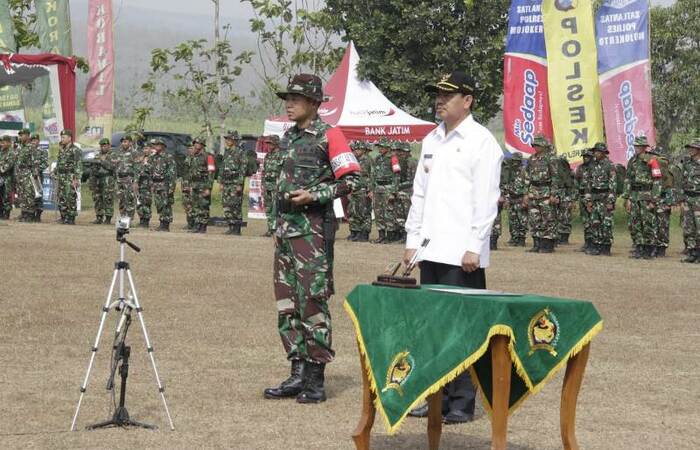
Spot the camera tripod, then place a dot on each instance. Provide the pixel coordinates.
(120, 351)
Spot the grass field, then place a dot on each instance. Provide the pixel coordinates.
(210, 312)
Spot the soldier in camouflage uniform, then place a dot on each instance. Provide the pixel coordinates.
(566, 201)
(29, 165)
(201, 178)
(232, 172)
(102, 183)
(272, 165)
(163, 170)
(382, 187)
(599, 200)
(513, 191)
(186, 187)
(497, 226)
(408, 165)
(144, 199)
(642, 193)
(668, 201)
(542, 182)
(582, 177)
(123, 163)
(68, 172)
(7, 164)
(690, 201)
(43, 159)
(318, 168)
(359, 201)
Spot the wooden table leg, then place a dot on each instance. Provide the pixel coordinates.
(500, 368)
(434, 420)
(362, 432)
(569, 395)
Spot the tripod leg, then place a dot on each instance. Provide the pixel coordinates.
(149, 347)
(105, 310)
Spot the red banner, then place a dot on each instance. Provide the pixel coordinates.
(99, 96)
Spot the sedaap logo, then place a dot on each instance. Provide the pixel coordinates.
(525, 129)
(629, 116)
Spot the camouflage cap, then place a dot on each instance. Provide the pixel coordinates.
(272, 139)
(199, 140)
(305, 84)
(695, 143)
(126, 137)
(659, 150)
(105, 141)
(67, 133)
(396, 145)
(541, 141)
(587, 152)
(600, 147)
(35, 136)
(384, 142)
(232, 135)
(158, 141)
(23, 131)
(6, 138)
(641, 141)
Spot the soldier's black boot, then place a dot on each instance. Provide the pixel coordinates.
(594, 250)
(380, 239)
(108, 220)
(230, 229)
(313, 391)
(352, 236)
(493, 243)
(536, 242)
(692, 257)
(236, 227)
(605, 250)
(564, 239)
(547, 246)
(648, 252)
(97, 221)
(143, 223)
(164, 226)
(37, 216)
(362, 236)
(291, 387)
(637, 252)
(660, 251)
(194, 228)
(202, 228)
(70, 220)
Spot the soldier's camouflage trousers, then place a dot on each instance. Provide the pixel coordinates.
(517, 219)
(103, 190)
(497, 222)
(268, 198)
(302, 282)
(691, 222)
(585, 220)
(201, 201)
(25, 193)
(144, 201)
(5, 196)
(663, 212)
(126, 197)
(601, 223)
(643, 223)
(564, 209)
(360, 212)
(163, 200)
(186, 188)
(232, 202)
(382, 214)
(542, 218)
(67, 196)
(403, 205)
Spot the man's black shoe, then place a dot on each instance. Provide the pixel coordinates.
(291, 387)
(420, 411)
(457, 416)
(313, 391)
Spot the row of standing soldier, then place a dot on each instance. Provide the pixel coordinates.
(21, 168)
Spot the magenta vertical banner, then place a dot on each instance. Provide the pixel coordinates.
(99, 96)
(526, 111)
(622, 35)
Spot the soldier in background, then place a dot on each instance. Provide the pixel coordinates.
(28, 167)
(359, 201)
(272, 165)
(599, 198)
(690, 201)
(668, 201)
(186, 187)
(497, 226)
(642, 194)
(7, 164)
(35, 139)
(542, 181)
(102, 183)
(582, 178)
(144, 199)
(163, 170)
(232, 172)
(567, 198)
(514, 189)
(201, 179)
(382, 189)
(68, 174)
(408, 165)
(123, 163)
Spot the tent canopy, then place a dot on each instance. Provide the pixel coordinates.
(17, 69)
(360, 109)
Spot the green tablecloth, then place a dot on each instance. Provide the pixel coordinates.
(414, 341)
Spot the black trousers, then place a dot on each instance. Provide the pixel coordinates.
(459, 394)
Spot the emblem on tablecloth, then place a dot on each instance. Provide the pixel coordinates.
(399, 371)
(543, 332)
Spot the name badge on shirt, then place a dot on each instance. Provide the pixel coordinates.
(427, 162)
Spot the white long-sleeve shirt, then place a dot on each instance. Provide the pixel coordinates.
(455, 193)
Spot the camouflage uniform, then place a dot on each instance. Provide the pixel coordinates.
(68, 173)
(566, 201)
(232, 171)
(599, 198)
(513, 191)
(497, 226)
(186, 188)
(383, 188)
(7, 163)
(272, 166)
(162, 169)
(668, 200)
(690, 202)
(542, 181)
(144, 199)
(582, 177)
(404, 192)
(643, 189)
(359, 202)
(123, 162)
(29, 164)
(201, 180)
(102, 183)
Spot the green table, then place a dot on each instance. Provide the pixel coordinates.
(414, 341)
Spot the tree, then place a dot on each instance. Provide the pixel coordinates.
(24, 23)
(675, 58)
(292, 37)
(404, 45)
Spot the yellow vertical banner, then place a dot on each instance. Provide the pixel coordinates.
(572, 59)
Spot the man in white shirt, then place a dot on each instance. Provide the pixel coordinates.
(454, 204)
